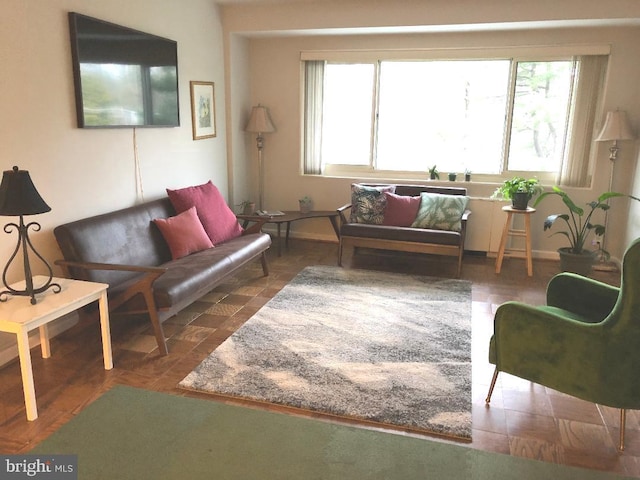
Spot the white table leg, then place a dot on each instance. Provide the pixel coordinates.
(45, 346)
(106, 331)
(27, 375)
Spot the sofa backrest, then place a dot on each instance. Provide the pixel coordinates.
(415, 190)
(126, 236)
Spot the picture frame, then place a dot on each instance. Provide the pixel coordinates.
(203, 109)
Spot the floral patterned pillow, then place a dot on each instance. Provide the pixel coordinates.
(368, 203)
(441, 212)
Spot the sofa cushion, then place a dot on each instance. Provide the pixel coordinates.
(441, 212)
(184, 233)
(368, 203)
(218, 220)
(400, 210)
(401, 234)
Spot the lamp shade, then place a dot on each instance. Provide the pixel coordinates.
(260, 122)
(616, 127)
(18, 194)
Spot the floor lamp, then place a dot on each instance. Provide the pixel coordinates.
(616, 128)
(260, 122)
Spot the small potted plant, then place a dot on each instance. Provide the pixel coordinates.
(247, 207)
(467, 175)
(577, 257)
(519, 190)
(433, 173)
(305, 204)
(452, 176)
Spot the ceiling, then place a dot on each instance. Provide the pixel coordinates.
(461, 27)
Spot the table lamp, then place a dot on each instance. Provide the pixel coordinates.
(19, 197)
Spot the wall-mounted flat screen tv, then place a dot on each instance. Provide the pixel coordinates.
(123, 77)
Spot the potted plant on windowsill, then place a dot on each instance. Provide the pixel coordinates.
(577, 257)
(519, 190)
(433, 173)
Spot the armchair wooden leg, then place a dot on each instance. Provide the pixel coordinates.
(623, 422)
(492, 386)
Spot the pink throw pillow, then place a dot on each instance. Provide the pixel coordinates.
(401, 210)
(218, 220)
(184, 233)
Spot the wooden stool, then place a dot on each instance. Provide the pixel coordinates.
(508, 231)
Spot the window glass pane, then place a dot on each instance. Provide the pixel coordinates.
(445, 113)
(540, 115)
(346, 122)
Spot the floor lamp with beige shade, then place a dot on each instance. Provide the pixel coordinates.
(260, 123)
(616, 128)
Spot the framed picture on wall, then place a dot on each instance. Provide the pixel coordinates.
(203, 110)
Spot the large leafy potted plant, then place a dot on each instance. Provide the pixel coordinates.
(519, 190)
(577, 257)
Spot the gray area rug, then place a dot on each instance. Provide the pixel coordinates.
(384, 348)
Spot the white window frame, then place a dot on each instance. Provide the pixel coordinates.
(515, 55)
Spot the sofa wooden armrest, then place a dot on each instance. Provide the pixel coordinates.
(142, 286)
(341, 211)
(255, 227)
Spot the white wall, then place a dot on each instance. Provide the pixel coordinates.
(81, 172)
(278, 34)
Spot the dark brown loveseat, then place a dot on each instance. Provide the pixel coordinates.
(127, 251)
(405, 239)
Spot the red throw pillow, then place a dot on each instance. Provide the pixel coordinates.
(218, 220)
(401, 210)
(184, 233)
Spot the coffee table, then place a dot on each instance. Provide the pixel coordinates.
(292, 216)
(18, 316)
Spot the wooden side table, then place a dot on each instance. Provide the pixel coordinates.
(509, 231)
(292, 216)
(18, 316)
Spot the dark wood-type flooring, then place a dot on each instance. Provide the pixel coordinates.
(524, 419)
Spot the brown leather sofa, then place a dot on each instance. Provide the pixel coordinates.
(127, 251)
(405, 239)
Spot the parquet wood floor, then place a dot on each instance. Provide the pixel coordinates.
(524, 419)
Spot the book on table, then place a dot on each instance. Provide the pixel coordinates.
(269, 213)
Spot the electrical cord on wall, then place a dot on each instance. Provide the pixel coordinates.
(136, 161)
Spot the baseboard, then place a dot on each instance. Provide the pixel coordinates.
(9, 353)
(328, 238)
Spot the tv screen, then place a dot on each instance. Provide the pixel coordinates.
(123, 77)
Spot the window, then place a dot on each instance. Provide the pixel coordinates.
(541, 105)
(432, 110)
(490, 116)
(346, 113)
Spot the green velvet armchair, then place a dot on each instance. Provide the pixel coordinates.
(585, 342)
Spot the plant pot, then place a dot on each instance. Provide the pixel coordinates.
(467, 177)
(520, 200)
(580, 263)
(433, 176)
(452, 177)
(305, 206)
(248, 208)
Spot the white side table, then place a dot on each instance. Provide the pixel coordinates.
(18, 316)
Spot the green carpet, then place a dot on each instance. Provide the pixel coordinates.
(130, 433)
